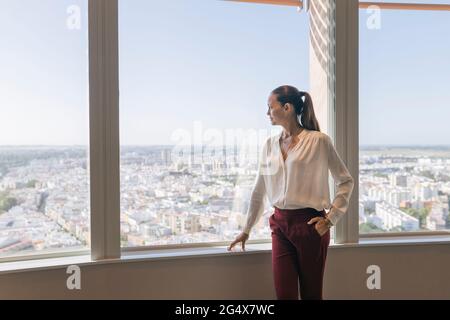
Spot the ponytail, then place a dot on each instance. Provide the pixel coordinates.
(307, 116)
(304, 109)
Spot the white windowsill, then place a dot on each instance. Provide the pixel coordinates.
(403, 240)
(138, 256)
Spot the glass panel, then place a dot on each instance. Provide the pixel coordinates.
(44, 167)
(195, 77)
(404, 112)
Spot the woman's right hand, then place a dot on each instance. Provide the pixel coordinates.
(240, 238)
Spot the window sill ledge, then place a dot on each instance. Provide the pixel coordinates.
(139, 256)
(402, 240)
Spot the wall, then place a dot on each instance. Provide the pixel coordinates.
(407, 272)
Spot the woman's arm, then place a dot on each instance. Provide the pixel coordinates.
(258, 195)
(257, 203)
(344, 181)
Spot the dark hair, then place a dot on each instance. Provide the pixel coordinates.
(303, 109)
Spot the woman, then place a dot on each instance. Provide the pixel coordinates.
(293, 174)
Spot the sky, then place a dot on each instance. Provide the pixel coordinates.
(185, 62)
(404, 72)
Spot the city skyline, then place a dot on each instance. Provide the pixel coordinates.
(44, 197)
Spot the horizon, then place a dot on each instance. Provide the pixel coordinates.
(212, 146)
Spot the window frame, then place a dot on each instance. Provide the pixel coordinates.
(340, 235)
(104, 128)
(67, 252)
(104, 139)
(354, 149)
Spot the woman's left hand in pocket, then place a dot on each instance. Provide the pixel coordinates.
(321, 225)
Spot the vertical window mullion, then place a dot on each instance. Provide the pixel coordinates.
(322, 67)
(104, 129)
(346, 130)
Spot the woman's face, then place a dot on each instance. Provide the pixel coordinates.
(276, 112)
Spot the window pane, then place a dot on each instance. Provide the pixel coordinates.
(44, 185)
(198, 74)
(404, 112)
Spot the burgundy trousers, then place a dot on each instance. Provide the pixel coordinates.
(298, 254)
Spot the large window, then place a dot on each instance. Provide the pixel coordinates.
(404, 112)
(195, 77)
(44, 190)
(194, 81)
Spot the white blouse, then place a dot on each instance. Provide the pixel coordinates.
(302, 181)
